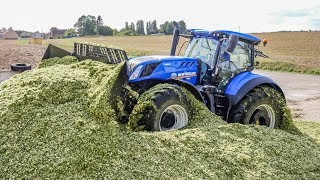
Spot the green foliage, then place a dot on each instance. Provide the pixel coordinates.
(115, 32)
(99, 21)
(152, 27)
(127, 32)
(86, 25)
(54, 61)
(183, 27)
(285, 66)
(167, 28)
(104, 31)
(59, 122)
(132, 26)
(140, 27)
(70, 33)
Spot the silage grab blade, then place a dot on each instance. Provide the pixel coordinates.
(54, 51)
(121, 80)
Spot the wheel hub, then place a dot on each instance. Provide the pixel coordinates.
(263, 115)
(173, 117)
(168, 120)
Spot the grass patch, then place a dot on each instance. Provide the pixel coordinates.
(286, 66)
(60, 122)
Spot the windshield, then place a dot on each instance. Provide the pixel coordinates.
(202, 48)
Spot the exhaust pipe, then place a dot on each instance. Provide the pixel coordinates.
(175, 38)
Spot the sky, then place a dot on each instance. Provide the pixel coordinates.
(244, 15)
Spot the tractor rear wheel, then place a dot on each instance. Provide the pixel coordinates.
(261, 106)
(170, 112)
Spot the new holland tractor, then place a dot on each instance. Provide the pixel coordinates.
(216, 68)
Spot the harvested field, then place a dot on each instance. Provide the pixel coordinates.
(11, 52)
(291, 51)
(58, 122)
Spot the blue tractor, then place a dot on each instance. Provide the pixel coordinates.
(216, 68)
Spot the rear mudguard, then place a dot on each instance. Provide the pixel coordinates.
(245, 82)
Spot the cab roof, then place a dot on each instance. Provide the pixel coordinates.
(223, 33)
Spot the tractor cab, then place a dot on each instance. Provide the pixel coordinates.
(222, 55)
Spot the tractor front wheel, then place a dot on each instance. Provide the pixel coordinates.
(261, 106)
(170, 112)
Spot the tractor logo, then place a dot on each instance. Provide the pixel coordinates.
(174, 75)
(183, 75)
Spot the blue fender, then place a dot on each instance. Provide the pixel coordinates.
(244, 82)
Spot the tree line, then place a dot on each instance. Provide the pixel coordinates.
(90, 25)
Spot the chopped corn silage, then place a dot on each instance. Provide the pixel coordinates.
(58, 122)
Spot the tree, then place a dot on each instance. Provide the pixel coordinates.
(148, 28)
(127, 26)
(127, 32)
(99, 21)
(183, 27)
(70, 32)
(115, 32)
(154, 27)
(140, 27)
(167, 28)
(86, 25)
(132, 26)
(105, 30)
(53, 28)
(170, 28)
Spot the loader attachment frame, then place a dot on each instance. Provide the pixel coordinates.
(87, 51)
(54, 51)
(99, 53)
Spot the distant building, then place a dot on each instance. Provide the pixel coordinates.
(37, 34)
(25, 34)
(2, 31)
(10, 34)
(57, 33)
(19, 32)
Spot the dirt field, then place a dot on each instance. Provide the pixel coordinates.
(11, 52)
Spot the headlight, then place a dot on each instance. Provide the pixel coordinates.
(136, 73)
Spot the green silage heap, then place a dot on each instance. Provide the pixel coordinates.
(58, 122)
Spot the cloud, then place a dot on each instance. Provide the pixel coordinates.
(300, 13)
(306, 18)
(315, 23)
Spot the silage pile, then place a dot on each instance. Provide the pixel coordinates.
(58, 122)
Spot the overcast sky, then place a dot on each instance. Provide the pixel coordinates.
(249, 15)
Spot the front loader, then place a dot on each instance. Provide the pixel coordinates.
(216, 68)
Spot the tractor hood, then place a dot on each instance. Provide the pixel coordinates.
(144, 60)
(161, 68)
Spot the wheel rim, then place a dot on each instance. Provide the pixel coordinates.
(263, 115)
(173, 117)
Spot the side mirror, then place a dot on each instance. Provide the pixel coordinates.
(232, 42)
